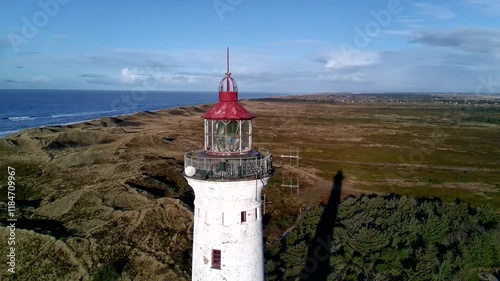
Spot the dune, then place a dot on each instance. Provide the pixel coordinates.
(108, 194)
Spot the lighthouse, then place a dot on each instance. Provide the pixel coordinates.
(227, 177)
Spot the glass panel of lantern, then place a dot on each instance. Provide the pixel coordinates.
(233, 136)
(208, 135)
(219, 135)
(245, 135)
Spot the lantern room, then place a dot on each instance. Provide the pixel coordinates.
(228, 125)
(228, 153)
(228, 137)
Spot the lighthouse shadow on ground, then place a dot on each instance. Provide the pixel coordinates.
(317, 265)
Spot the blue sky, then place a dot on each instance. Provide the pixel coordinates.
(276, 46)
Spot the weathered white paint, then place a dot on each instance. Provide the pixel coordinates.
(217, 225)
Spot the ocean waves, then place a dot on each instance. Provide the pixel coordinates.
(12, 124)
(19, 118)
(78, 114)
(56, 116)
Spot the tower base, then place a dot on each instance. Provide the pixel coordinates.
(227, 238)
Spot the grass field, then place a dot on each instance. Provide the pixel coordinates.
(417, 149)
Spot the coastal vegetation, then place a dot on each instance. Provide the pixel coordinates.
(105, 200)
(394, 238)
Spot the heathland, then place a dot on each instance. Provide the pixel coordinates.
(105, 200)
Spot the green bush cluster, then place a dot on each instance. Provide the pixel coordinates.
(395, 238)
(482, 119)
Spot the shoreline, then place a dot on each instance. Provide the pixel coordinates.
(87, 121)
(119, 116)
(14, 132)
(335, 98)
(70, 106)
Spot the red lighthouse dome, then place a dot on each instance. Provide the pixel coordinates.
(228, 125)
(228, 107)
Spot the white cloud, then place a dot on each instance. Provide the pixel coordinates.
(437, 60)
(155, 77)
(350, 77)
(431, 10)
(39, 79)
(168, 79)
(132, 76)
(345, 58)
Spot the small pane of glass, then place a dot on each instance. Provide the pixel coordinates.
(233, 136)
(208, 135)
(245, 127)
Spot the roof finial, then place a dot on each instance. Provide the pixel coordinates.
(227, 72)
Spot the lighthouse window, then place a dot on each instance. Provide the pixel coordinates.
(246, 135)
(224, 136)
(243, 216)
(216, 259)
(233, 136)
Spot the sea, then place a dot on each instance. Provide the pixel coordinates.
(23, 109)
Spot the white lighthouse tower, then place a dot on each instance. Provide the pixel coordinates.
(227, 177)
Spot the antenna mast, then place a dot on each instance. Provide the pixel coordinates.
(290, 171)
(228, 74)
(227, 60)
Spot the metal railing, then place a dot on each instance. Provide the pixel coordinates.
(206, 167)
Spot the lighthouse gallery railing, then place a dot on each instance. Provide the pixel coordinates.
(255, 165)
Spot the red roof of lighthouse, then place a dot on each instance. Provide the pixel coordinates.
(228, 107)
(228, 111)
